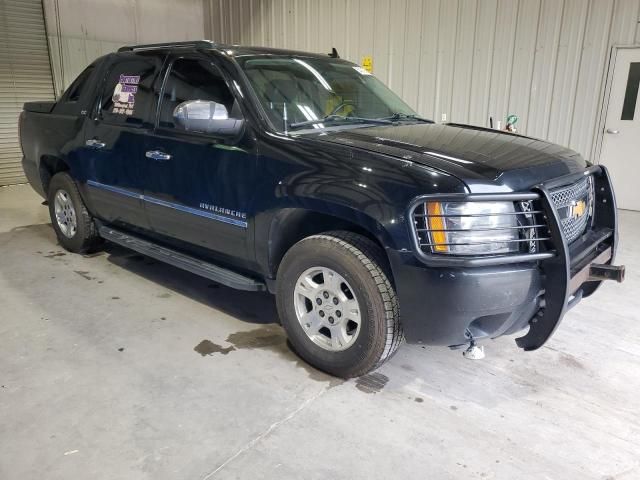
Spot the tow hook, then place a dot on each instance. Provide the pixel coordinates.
(598, 271)
(473, 352)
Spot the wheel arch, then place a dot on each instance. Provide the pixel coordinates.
(290, 225)
(49, 166)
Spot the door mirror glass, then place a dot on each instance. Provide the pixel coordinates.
(205, 116)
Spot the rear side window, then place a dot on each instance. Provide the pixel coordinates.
(79, 96)
(195, 79)
(127, 96)
(79, 85)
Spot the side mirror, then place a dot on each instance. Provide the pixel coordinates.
(206, 117)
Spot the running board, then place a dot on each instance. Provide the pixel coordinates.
(180, 260)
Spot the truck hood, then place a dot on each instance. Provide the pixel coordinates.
(480, 157)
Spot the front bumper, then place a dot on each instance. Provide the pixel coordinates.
(452, 303)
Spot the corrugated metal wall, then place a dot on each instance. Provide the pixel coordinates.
(25, 75)
(544, 60)
(79, 31)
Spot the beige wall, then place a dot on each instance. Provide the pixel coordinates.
(544, 60)
(81, 30)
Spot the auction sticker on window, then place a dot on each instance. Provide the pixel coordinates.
(124, 94)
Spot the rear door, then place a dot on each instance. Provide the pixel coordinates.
(199, 187)
(112, 161)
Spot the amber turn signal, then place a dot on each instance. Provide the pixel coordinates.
(437, 228)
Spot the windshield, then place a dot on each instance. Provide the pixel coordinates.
(297, 91)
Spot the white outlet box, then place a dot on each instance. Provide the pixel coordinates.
(444, 117)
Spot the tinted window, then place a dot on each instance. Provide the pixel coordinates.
(127, 97)
(78, 86)
(194, 79)
(631, 92)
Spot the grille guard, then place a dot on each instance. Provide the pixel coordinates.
(565, 280)
(447, 260)
(604, 212)
(564, 266)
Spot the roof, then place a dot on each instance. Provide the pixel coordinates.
(233, 50)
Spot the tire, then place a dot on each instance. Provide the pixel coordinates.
(362, 272)
(79, 236)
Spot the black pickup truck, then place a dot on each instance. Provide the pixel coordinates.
(303, 175)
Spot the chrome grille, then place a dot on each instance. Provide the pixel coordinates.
(574, 215)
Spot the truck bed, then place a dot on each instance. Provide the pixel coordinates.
(43, 135)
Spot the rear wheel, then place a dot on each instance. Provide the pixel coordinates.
(337, 304)
(70, 218)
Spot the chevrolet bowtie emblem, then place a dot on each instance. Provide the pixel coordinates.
(577, 209)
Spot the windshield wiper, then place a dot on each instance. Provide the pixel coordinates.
(405, 116)
(340, 118)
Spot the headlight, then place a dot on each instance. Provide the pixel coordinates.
(472, 228)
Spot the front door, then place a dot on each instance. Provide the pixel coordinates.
(112, 158)
(199, 188)
(622, 130)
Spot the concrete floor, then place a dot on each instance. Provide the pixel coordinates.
(100, 380)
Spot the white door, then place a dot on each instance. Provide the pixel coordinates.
(621, 144)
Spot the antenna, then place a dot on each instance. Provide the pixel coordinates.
(334, 53)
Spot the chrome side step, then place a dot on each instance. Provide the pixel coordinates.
(186, 262)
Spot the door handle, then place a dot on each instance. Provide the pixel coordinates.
(157, 155)
(612, 131)
(95, 143)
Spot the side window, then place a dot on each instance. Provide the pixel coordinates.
(127, 96)
(78, 86)
(79, 95)
(194, 79)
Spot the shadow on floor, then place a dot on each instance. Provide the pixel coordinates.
(251, 307)
(257, 308)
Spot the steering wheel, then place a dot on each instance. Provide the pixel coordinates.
(341, 105)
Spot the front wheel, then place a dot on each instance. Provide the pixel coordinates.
(337, 304)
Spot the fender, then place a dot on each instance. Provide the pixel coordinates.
(289, 225)
(311, 186)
